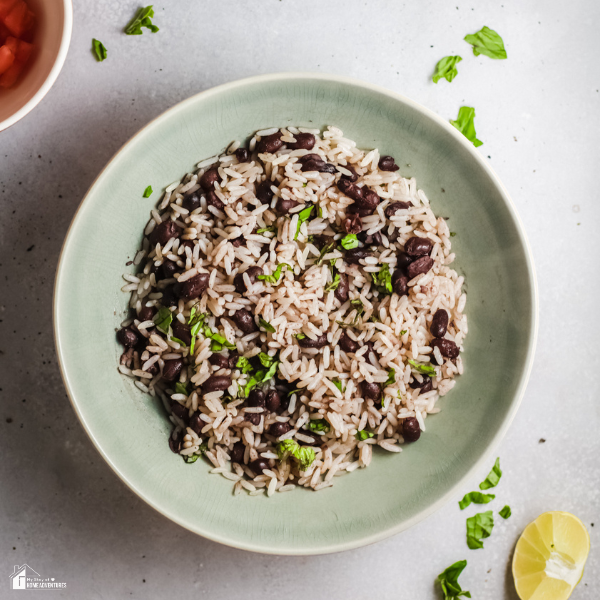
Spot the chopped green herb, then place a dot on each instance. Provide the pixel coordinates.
(465, 124)
(196, 323)
(452, 233)
(310, 239)
(359, 306)
(493, 477)
(403, 331)
(98, 49)
(277, 274)
(218, 341)
(243, 364)
(505, 512)
(422, 368)
(319, 212)
(374, 318)
(303, 215)
(487, 41)
(300, 336)
(181, 342)
(318, 425)
(364, 435)
(266, 325)
(305, 455)
(383, 279)
(475, 498)
(391, 378)
(334, 284)
(324, 250)
(304, 184)
(194, 457)
(338, 384)
(262, 375)
(271, 229)
(446, 68)
(148, 192)
(349, 241)
(163, 319)
(181, 388)
(479, 527)
(449, 581)
(266, 360)
(143, 18)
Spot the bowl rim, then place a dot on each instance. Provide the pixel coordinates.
(518, 396)
(53, 73)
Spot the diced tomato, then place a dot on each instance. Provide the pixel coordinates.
(23, 51)
(6, 6)
(7, 58)
(9, 78)
(4, 33)
(19, 19)
(12, 43)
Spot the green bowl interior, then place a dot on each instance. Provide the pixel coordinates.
(130, 429)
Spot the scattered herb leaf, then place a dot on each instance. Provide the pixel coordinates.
(465, 124)
(403, 331)
(266, 325)
(148, 192)
(475, 498)
(196, 323)
(505, 512)
(449, 581)
(277, 274)
(181, 388)
(180, 342)
(364, 435)
(266, 360)
(391, 378)
(300, 336)
(324, 250)
(243, 364)
(349, 241)
(423, 369)
(303, 215)
(262, 375)
(98, 49)
(493, 477)
(383, 279)
(338, 384)
(479, 527)
(334, 284)
(487, 41)
(305, 455)
(163, 319)
(446, 68)
(452, 233)
(143, 18)
(318, 425)
(194, 457)
(218, 341)
(271, 228)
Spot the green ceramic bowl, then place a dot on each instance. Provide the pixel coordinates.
(130, 429)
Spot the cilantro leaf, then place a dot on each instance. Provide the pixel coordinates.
(349, 241)
(196, 323)
(479, 527)
(338, 384)
(181, 388)
(266, 325)
(493, 477)
(334, 284)
(181, 342)
(277, 274)
(326, 249)
(262, 375)
(476, 498)
(148, 192)
(163, 319)
(320, 425)
(218, 341)
(194, 457)
(300, 336)
(403, 331)
(391, 378)
(383, 279)
(364, 435)
(243, 364)
(143, 18)
(464, 123)
(266, 360)
(446, 68)
(423, 369)
(303, 215)
(98, 49)
(304, 455)
(271, 228)
(487, 41)
(505, 512)
(360, 308)
(449, 581)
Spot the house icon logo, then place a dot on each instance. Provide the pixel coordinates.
(25, 578)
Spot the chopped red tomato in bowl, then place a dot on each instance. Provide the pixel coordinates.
(16, 29)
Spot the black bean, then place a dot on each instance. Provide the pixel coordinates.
(127, 337)
(175, 444)
(446, 347)
(146, 313)
(320, 241)
(370, 240)
(352, 224)
(219, 360)
(238, 280)
(191, 201)
(169, 295)
(421, 265)
(284, 205)
(400, 283)
(341, 292)
(402, 261)
(209, 179)
(168, 268)
(370, 354)
(387, 163)
(304, 141)
(353, 174)
(270, 143)
(279, 429)
(371, 391)
(318, 164)
(306, 342)
(424, 386)
(213, 200)
(368, 201)
(439, 323)
(256, 398)
(353, 256)
(242, 155)
(394, 207)
(233, 358)
(194, 287)
(356, 209)
(196, 423)
(181, 331)
(162, 233)
(317, 441)
(350, 189)
(172, 369)
(243, 319)
(264, 192)
(252, 418)
(418, 246)
(347, 344)
(180, 411)
(237, 242)
(411, 431)
(237, 453)
(273, 401)
(309, 157)
(216, 383)
(259, 465)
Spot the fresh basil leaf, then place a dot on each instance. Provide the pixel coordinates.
(446, 68)
(266, 325)
(423, 369)
(277, 273)
(271, 229)
(98, 49)
(364, 435)
(391, 378)
(148, 192)
(465, 124)
(304, 455)
(143, 18)
(324, 250)
(163, 319)
(383, 279)
(479, 527)
(493, 477)
(487, 41)
(449, 581)
(243, 364)
(349, 241)
(318, 425)
(505, 512)
(181, 388)
(475, 498)
(334, 284)
(303, 215)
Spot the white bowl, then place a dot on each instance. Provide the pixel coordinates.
(54, 21)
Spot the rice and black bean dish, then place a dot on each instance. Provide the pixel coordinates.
(293, 307)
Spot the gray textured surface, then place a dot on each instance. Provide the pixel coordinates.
(63, 510)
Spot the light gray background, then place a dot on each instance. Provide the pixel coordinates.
(66, 514)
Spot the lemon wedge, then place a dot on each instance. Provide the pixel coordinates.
(550, 556)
